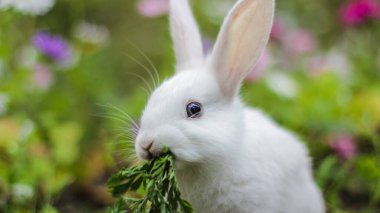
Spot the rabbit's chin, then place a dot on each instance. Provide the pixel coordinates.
(186, 157)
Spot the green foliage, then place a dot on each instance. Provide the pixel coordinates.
(159, 180)
(120, 206)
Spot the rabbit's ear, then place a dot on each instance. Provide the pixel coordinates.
(241, 41)
(185, 34)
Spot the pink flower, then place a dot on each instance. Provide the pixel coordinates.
(153, 8)
(358, 11)
(277, 30)
(260, 67)
(300, 42)
(42, 76)
(344, 146)
(316, 65)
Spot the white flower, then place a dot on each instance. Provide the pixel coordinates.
(5, 4)
(22, 191)
(334, 61)
(29, 7)
(337, 62)
(282, 85)
(91, 33)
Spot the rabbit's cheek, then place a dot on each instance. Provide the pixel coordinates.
(187, 154)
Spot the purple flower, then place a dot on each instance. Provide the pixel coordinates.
(153, 8)
(344, 146)
(358, 11)
(52, 46)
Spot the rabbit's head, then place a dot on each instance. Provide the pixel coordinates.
(197, 113)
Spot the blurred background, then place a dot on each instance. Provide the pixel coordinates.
(71, 69)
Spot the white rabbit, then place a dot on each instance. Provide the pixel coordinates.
(229, 158)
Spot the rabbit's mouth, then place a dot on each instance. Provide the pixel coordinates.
(163, 152)
(152, 143)
(150, 152)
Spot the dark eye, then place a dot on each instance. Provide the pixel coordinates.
(194, 110)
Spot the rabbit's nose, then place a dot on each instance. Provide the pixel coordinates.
(148, 149)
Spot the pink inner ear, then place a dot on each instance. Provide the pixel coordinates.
(243, 37)
(237, 13)
(238, 31)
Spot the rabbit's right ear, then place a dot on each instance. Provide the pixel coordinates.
(185, 34)
(242, 39)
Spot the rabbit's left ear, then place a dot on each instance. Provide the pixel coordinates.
(240, 43)
(185, 34)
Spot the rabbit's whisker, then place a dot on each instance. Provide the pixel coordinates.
(149, 61)
(145, 90)
(123, 114)
(150, 89)
(145, 68)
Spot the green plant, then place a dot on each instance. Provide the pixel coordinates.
(159, 180)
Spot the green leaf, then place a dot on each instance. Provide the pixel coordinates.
(118, 207)
(158, 179)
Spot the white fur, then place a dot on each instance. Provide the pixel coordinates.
(185, 34)
(232, 158)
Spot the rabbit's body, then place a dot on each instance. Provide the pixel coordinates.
(228, 158)
(270, 174)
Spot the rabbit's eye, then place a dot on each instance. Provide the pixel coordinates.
(194, 110)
